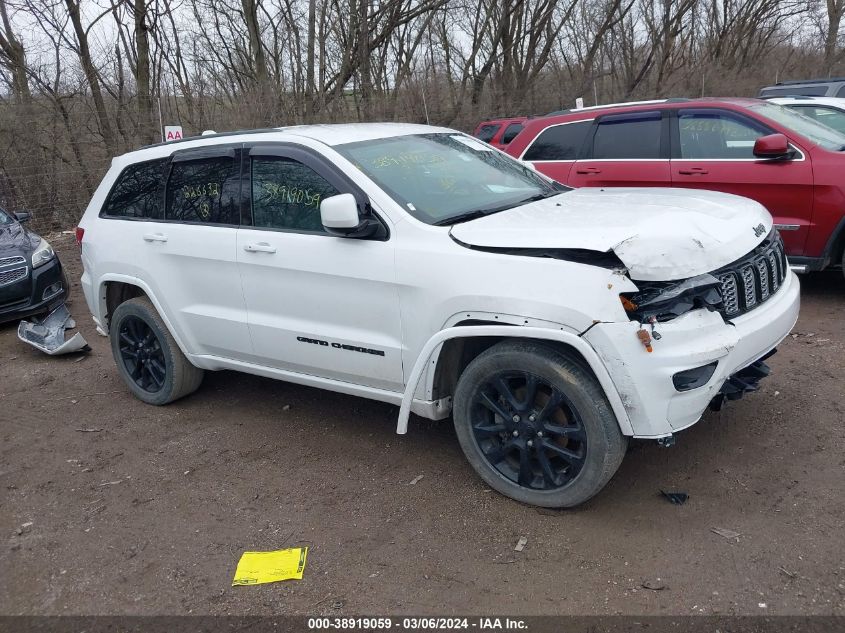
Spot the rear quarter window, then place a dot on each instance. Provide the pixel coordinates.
(137, 192)
(558, 142)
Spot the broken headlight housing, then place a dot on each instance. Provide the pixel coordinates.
(659, 301)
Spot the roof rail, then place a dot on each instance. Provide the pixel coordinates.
(808, 97)
(793, 82)
(619, 105)
(205, 135)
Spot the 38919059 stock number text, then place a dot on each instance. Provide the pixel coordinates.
(408, 624)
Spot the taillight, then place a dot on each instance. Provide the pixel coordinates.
(79, 233)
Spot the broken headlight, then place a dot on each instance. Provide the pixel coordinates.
(665, 300)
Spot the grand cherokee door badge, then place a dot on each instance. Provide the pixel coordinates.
(351, 348)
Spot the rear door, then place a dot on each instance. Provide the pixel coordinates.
(625, 150)
(193, 251)
(713, 149)
(172, 222)
(556, 148)
(318, 304)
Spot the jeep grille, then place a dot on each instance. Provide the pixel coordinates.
(753, 279)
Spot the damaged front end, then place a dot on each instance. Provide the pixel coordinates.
(746, 380)
(660, 301)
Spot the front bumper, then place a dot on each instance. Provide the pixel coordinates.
(26, 297)
(644, 380)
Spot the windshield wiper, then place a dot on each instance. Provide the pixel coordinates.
(539, 196)
(463, 217)
(480, 213)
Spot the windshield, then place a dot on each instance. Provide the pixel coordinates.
(5, 218)
(447, 178)
(803, 125)
(831, 117)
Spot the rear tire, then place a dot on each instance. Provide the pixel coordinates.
(147, 356)
(536, 426)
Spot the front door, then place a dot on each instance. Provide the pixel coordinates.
(318, 304)
(714, 149)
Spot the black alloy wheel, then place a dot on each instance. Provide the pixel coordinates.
(142, 354)
(528, 430)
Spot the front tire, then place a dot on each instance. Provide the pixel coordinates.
(536, 426)
(147, 356)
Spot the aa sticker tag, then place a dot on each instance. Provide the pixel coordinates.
(256, 568)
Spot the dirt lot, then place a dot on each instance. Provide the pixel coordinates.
(148, 511)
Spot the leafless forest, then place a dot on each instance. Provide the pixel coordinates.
(83, 80)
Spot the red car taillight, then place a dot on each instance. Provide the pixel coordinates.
(79, 233)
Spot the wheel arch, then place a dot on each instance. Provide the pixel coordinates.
(835, 248)
(450, 350)
(115, 289)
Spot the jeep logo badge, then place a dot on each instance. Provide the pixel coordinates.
(759, 230)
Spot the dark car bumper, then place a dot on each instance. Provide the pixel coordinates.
(33, 294)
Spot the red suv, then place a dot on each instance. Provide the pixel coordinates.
(500, 132)
(791, 164)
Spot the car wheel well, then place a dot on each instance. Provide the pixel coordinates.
(459, 352)
(838, 250)
(118, 292)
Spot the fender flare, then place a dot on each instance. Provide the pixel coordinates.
(507, 331)
(140, 283)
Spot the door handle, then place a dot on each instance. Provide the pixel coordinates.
(260, 247)
(588, 170)
(155, 237)
(693, 171)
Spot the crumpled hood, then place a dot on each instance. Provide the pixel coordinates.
(659, 234)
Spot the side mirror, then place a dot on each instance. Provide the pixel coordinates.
(772, 146)
(339, 215)
(22, 216)
(340, 212)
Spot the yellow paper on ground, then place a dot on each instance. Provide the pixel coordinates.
(256, 568)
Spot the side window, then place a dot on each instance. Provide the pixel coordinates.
(626, 136)
(205, 190)
(286, 194)
(559, 142)
(717, 135)
(841, 92)
(487, 132)
(511, 131)
(137, 192)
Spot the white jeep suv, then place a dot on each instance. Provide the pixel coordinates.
(418, 266)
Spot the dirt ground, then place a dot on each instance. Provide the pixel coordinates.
(134, 509)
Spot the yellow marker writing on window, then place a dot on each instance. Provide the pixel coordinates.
(256, 568)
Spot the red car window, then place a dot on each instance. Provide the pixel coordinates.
(625, 136)
(510, 132)
(558, 142)
(487, 132)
